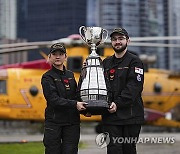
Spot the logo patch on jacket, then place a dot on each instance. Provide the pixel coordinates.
(66, 84)
(138, 77)
(111, 73)
(139, 70)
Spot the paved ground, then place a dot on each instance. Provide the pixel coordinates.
(91, 147)
(142, 148)
(14, 133)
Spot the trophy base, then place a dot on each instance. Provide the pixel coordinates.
(96, 107)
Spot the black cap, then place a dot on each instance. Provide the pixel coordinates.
(57, 46)
(120, 31)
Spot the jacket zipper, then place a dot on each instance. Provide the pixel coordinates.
(54, 116)
(131, 111)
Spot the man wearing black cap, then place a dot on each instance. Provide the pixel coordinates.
(62, 121)
(125, 77)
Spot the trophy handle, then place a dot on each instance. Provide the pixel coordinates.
(104, 30)
(80, 32)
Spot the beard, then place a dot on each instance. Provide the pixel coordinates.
(121, 49)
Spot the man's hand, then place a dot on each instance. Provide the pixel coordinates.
(113, 108)
(84, 63)
(87, 114)
(81, 105)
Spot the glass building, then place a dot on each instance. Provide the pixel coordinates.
(46, 20)
(142, 18)
(49, 20)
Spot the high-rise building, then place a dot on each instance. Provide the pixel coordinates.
(120, 13)
(143, 18)
(49, 20)
(174, 24)
(8, 31)
(92, 13)
(156, 27)
(8, 19)
(46, 20)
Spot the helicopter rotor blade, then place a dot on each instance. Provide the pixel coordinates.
(155, 38)
(25, 46)
(14, 45)
(10, 50)
(154, 44)
(135, 41)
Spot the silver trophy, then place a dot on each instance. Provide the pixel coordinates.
(92, 83)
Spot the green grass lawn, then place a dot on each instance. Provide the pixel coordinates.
(22, 148)
(25, 148)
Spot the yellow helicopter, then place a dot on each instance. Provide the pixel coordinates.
(21, 95)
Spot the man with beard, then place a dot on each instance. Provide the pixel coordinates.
(125, 77)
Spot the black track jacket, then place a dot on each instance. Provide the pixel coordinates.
(60, 89)
(125, 78)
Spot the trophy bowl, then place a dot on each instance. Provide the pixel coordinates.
(92, 85)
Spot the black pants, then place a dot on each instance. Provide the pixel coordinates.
(61, 139)
(122, 138)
